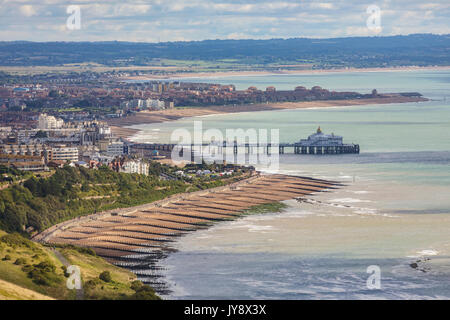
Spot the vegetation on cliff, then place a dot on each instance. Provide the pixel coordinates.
(40, 202)
(71, 192)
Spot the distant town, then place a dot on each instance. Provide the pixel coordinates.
(49, 120)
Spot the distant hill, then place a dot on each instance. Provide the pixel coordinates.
(417, 49)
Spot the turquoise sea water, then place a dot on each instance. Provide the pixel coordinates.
(395, 208)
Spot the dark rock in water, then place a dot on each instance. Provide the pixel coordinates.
(414, 265)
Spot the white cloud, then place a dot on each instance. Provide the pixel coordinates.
(172, 20)
(322, 5)
(27, 10)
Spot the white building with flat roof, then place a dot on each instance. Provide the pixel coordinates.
(63, 153)
(115, 149)
(49, 122)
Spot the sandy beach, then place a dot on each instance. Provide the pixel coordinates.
(119, 234)
(293, 70)
(119, 125)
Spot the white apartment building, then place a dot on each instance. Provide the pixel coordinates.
(115, 149)
(152, 104)
(63, 153)
(49, 122)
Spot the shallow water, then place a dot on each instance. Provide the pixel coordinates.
(393, 211)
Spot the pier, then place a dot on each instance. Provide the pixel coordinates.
(250, 148)
(316, 144)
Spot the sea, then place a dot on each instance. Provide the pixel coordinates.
(384, 235)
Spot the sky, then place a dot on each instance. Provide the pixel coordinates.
(186, 20)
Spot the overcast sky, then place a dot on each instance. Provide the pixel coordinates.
(182, 20)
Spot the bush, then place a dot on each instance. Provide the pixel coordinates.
(42, 273)
(64, 269)
(45, 266)
(27, 268)
(145, 292)
(136, 285)
(91, 284)
(20, 262)
(105, 276)
(40, 279)
(7, 258)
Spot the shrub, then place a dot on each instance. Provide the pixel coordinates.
(45, 266)
(20, 261)
(40, 279)
(42, 273)
(7, 257)
(145, 292)
(105, 276)
(27, 268)
(136, 285)
(64, 269)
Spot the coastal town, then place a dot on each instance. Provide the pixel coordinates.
(230, 155)
(53, 142)
(48, 120)
(66, 140)
(105, 96)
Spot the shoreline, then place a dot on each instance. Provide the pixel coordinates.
(187, 75)
(141, 236)
(121, 126)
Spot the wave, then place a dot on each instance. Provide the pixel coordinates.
(349, 200)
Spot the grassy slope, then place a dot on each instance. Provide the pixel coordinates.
(10, 291)
(91, 267)
(33, 255)
(15, 283)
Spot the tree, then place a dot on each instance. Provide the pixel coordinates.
(53, 94)
(32, 185)
(41, 134)
(105, 276)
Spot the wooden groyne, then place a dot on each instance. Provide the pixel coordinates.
(118, 233)
(144, 234)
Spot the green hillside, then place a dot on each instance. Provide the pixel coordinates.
(31, 267)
